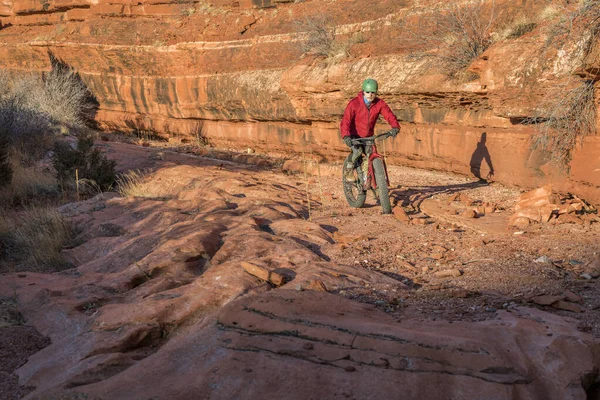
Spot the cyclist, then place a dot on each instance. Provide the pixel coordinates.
(360, 117)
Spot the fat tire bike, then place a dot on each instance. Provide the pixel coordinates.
(374, 179)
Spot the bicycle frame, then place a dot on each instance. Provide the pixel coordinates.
(370, 150)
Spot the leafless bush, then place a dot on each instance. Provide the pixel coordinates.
(580, 23)
(322, 39)
(66, 99)
(320, 36)
(569, 113)
(564, 120)
(24, 129)
(33, 108)
(451, 35)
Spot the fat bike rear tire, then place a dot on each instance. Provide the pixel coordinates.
(380, 179)
(355, 195)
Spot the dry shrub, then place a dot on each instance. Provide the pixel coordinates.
(568, 116)
(573, 25)
(450, 35)
(26, 130)
(33, 239)
(66, 97)
(6, 170)
(35, 108)
(139, 184)
(322, 40)
(29, 185)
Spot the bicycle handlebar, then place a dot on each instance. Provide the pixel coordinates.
(382, 136)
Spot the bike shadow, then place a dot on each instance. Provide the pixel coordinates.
(414, 196)
(402, 278)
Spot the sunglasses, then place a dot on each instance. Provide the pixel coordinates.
(370, 92)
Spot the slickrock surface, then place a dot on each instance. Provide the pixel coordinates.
(222, 280)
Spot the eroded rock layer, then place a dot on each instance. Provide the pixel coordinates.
(236, 73)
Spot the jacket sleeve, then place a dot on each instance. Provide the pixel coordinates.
(389, 116)
(349, 113)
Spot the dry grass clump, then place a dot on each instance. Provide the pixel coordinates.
(138, 184)
(515, 28)
(32, 240)
(28, 185)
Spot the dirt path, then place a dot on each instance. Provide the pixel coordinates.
(498, 270)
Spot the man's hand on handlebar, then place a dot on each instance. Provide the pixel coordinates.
(394, 132)
(348, 141)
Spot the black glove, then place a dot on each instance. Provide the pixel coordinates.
(394, 132)
(347, 140)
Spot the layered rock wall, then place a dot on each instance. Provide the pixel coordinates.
(235, 73)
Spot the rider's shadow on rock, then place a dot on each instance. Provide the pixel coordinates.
(480, 154)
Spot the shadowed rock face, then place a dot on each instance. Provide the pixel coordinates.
(233, 72)
(161, 305)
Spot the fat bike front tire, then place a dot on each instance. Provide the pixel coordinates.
(355, 195)
(382, 189)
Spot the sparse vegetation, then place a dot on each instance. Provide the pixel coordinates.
(137, 184)
(450, 35)
(82, 163)
(35, 239)
(322, 39)
(568, 114)
(567, 118)
(519, 28)
(34, 110)
(29, 185)
(6, 170)
(583, 23)
(188, 12)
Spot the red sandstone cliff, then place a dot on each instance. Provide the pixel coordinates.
(235, 71)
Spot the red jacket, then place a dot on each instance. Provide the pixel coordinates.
(359, 121)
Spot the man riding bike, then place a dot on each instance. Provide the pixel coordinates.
(360, 117)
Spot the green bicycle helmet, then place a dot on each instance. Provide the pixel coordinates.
(369, 85)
